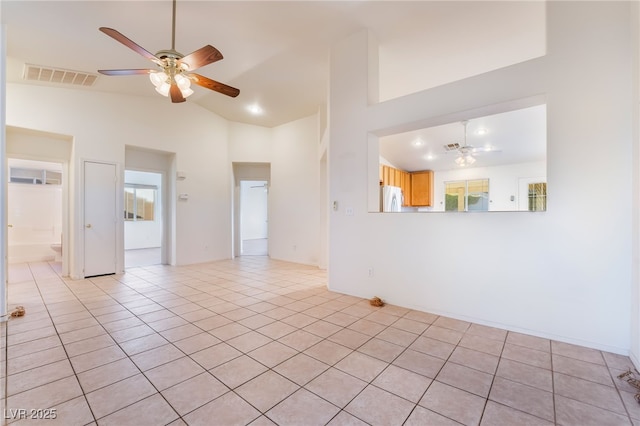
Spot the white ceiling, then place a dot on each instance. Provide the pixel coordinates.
(276, 53)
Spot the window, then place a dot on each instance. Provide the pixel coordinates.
(139, 202)
(467, 195)
(34, 176)
(537, 197)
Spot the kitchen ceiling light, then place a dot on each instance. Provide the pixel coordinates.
(465, 152)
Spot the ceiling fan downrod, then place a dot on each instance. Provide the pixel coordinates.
(173, 27)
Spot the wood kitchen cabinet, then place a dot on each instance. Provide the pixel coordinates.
(406, 188)
(388, 176)
(422, 188)
(395, 177)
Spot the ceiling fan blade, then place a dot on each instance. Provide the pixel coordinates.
(176, 94)
(201, 57)
(129, 43)
(203, 81)
(125, 72)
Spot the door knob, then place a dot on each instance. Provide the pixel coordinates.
(10, 226)
(88, 225)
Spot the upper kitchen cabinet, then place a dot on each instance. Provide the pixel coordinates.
(406, 189)
(422, 188)
(395, 177)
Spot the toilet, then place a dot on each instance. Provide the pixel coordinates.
(57, 247)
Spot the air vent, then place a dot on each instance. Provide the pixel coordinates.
(57, 75)
(452, 146)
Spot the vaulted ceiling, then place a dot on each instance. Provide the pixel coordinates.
(276, 53)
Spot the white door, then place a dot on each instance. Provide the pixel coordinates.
(100, 218)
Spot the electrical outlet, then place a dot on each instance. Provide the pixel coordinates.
(370, 272)
(349, 211)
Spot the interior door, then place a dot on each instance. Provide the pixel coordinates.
(100, 218)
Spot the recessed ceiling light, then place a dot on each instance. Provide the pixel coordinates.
(255, 109)
(481, 131)
(418, 142)
(428, 157)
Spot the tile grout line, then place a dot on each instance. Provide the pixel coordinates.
(75, 374)
(115, 344)
(184, 279)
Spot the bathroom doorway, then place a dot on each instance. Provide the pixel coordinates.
(41, 150)
(254, 218)
(34, 211)
(143, 219)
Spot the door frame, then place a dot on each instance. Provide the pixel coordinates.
(79, 228)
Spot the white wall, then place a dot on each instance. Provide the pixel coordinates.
(294, 194)
(102, 124)
(563, 274)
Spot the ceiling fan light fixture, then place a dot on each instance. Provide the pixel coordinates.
(186, 92)
(172, 79)
(182, 81)
(157, 78)
(184, 84)
(163, 89)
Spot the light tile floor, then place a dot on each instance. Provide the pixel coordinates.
(255, 247)
(263, 342)
(142, 257)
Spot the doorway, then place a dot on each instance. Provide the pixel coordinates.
(252, 184)
(143, 221)
(54, 151)
(161, 166)
(34, 212)
(254, 218)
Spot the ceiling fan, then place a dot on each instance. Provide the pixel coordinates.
(174, 73)
(465, 152)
